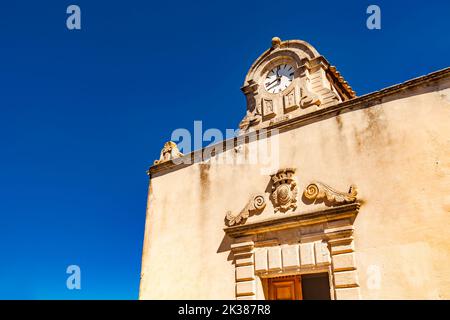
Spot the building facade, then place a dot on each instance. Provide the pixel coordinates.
(322, 195)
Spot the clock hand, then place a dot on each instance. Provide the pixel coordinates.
(279, 80)
(272, 82)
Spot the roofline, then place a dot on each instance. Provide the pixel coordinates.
(357, 103)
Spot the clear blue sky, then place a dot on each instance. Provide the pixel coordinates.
(84, 113)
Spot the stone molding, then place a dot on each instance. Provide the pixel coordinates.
(300, 219)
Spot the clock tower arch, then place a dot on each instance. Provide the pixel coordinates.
(288, 80)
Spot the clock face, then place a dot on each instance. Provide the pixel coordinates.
(279, 78)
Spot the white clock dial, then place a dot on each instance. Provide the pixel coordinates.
(279, 78)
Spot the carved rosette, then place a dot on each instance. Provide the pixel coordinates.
(284, 190)
(256, 204)
(320, 191)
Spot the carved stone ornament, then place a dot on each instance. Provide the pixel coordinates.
(290, 100)
(169, 152)
(319, 191)
(284, 190)
(267, 108)
(256, 204)
(249, 120)
(308, 98)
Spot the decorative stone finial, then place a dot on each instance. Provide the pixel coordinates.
(276, 42)
(169, 152)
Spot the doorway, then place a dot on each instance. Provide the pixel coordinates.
(299, 287)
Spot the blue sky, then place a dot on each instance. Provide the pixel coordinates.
(84, 113)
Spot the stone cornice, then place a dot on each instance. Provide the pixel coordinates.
(361, 102)
(296, 220)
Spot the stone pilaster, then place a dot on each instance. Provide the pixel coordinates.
(243, 251)
(345, 276)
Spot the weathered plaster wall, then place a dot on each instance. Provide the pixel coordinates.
(397, 153)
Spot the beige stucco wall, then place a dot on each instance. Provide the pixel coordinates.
(397, 152)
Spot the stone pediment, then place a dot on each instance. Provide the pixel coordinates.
(283, 195)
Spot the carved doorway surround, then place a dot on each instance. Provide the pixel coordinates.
(299, 243)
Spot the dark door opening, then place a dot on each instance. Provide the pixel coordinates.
(300, 287)
(316, 286)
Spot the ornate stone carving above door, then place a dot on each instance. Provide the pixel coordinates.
(320, 191)
(256, 204)
(284, 190)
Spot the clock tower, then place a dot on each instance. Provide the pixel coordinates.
(288, 80)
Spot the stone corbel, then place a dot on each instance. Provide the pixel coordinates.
(320, 191)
